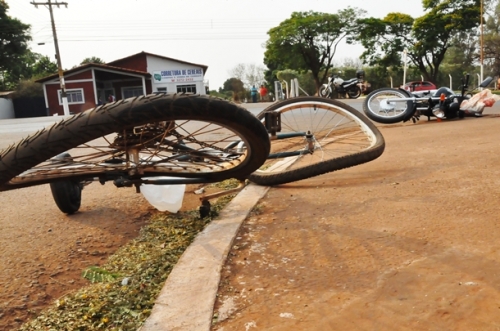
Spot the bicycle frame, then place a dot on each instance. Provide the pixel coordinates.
(272, 122)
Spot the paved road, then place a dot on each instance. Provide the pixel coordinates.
(282, 277)
(12, 130)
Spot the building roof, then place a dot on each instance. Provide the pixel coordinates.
(205, 67)
(95, 65)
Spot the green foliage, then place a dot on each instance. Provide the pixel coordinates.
(426, 38)
(92, 59)
(28, 88)
(123, 303)
(236, 87)
(491, 38)
(378, 76)
(44, 67)
(124, 289)
(384, 39)
(30, 66)
(307, 41)
(270, 75)
(24, 68)
(305, 79)
(287, 75)
(96, 274)
(226, 95)
(14, 39)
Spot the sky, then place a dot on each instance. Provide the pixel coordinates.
(217, 33)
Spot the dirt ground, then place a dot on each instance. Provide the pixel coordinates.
(406, 242)
(44, 251)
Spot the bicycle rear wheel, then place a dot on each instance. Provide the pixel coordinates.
(320, 136)
(191, 137)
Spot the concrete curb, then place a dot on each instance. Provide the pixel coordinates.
(187, 299)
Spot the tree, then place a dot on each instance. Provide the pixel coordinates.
(30, 66)
(491, 38)
(463, 50)
(22, 69)
(271, 74)
(249, 74)
(308, 41)
(426, 39)
(93, 59)
(44, 67)
(27, 88)
(236, 86)
(14, 39)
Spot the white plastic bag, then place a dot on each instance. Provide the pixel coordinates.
(476, 104)
(164, 197)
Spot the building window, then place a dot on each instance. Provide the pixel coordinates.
(162, 89)
(74, 96)
(186, 88)
(129, 92)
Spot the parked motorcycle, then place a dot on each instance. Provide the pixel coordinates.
(389, 105)
(342, 87)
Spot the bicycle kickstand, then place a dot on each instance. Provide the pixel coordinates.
(205, 203)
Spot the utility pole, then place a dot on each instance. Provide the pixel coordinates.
(58, 56)
(482, 55)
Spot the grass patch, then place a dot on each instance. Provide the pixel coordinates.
(123, 291)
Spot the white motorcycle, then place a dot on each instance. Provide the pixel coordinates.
(342, 87)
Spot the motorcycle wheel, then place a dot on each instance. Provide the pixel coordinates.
(354, 92)
(377, 108)
(324, 92)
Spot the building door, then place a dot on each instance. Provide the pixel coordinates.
(103, 94)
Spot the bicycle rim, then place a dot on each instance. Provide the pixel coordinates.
(199, 143)
(340, 137)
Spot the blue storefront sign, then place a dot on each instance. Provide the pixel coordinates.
(178, 75)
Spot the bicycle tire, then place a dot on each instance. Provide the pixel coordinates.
(31, 161)
(345, 144)
(67, 195)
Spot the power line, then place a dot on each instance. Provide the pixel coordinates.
(21, 7)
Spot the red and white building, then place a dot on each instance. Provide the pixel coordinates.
(142, 73)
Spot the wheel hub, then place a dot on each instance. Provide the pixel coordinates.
(386, 105)
(147, 135)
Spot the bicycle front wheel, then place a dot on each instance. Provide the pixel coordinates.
(324, 91)
(317, 136)
(186, 136)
